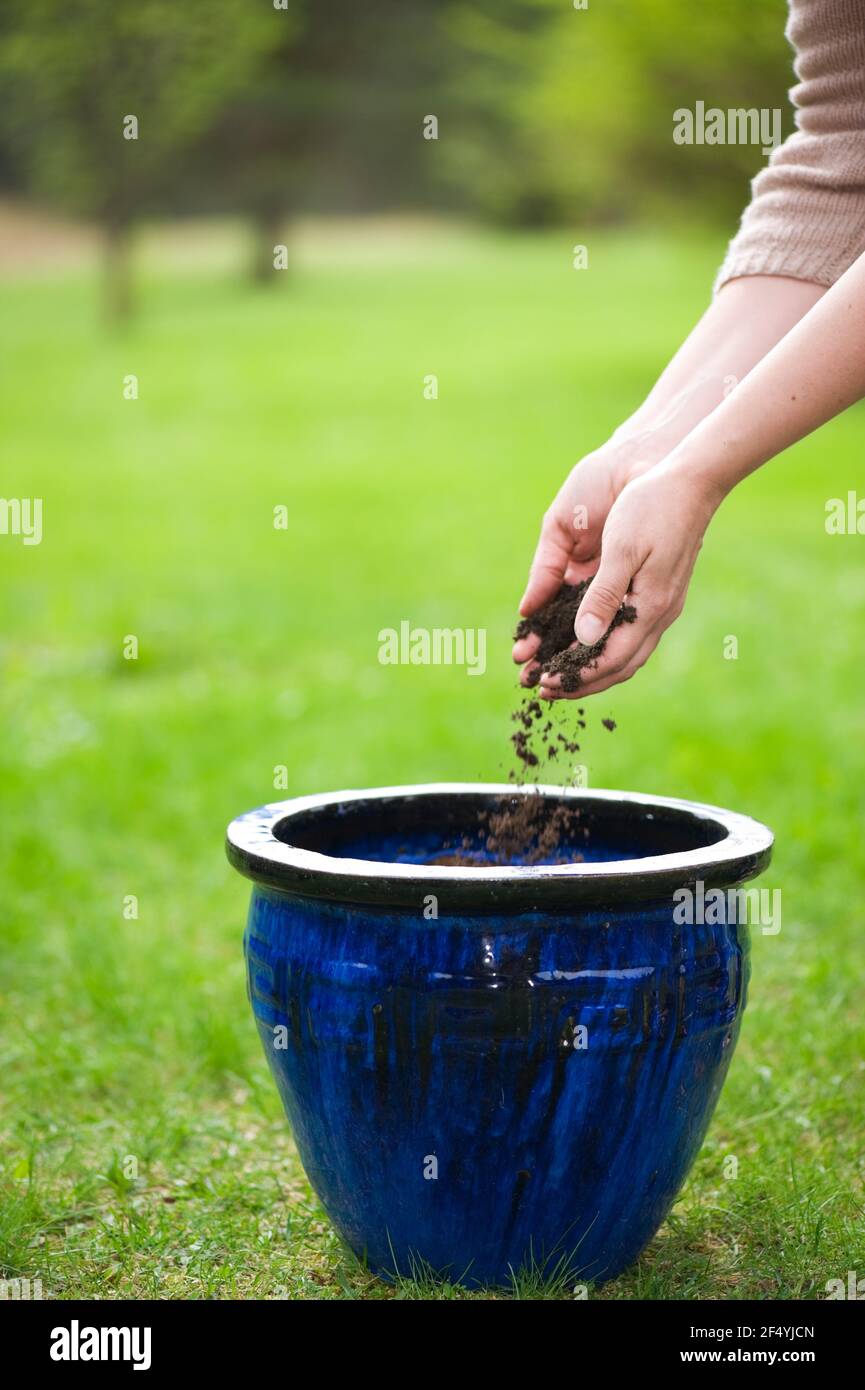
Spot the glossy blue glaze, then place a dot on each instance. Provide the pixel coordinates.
(444, 1098)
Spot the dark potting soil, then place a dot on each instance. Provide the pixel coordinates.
(520, 829)
(528, 828)
(554, 624)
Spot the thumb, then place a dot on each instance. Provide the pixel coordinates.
(603, 598)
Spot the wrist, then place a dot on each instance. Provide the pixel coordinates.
(634, 449)
(658, 429)
(702, 472)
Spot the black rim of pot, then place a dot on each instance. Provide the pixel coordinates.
(740, 852)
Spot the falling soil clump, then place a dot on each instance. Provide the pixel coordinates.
(530, 828)
(528, 715)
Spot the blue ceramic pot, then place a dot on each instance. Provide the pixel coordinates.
(488, 1068)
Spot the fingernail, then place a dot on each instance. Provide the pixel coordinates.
(589, 629)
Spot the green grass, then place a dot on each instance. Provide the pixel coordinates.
(133, 1038)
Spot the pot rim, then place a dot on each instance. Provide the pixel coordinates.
(252, 846)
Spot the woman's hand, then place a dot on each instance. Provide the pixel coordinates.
(649, 545)
(655, 528)
(569, 548)
(744, 322)
(771, 359)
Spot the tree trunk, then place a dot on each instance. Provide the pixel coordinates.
(118, 275)
(267, 234)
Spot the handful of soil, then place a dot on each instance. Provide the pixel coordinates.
(529, 829)
(554, 624)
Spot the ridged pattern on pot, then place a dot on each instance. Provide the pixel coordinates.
(460, 1039)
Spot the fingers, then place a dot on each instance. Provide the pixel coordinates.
(635, 641)
(623, 673)
(578, 570)
(593, 684)
(571, 530)
(620, 649)
(525, 648)
(604, 596)
(549, 565)
(658, 604)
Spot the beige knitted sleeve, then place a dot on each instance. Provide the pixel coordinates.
(806, 217)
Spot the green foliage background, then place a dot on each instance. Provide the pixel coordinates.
(545, 112)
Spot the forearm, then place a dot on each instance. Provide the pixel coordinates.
(813, 373)
(746, 319)
(744, 322)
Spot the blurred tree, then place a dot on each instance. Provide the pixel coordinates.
(333, 119)
(602, 101)
(546, 112)
(101, 96)
(569, 113)
(496, 47)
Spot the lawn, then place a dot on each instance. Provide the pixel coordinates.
(143, 1152)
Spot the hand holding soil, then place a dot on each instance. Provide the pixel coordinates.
(567, 557)
(548, 633)
(650, 544)
(642, 501)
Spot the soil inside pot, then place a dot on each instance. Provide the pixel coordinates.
(526, 828)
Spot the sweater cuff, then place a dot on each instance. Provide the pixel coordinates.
(808, 233)
(816, 242)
